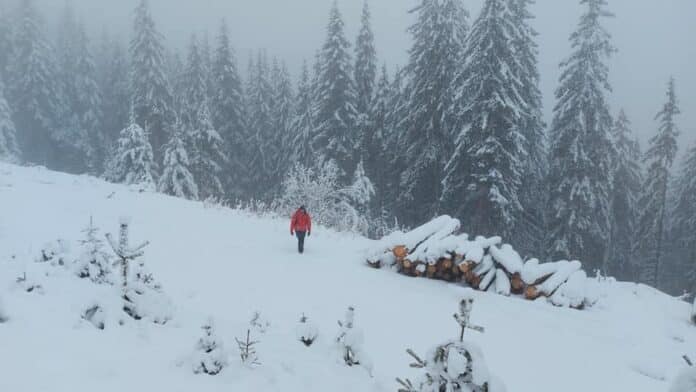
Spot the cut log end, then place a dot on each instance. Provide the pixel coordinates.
(532, 293)
(400, 252)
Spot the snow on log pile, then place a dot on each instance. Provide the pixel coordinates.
(436, 251)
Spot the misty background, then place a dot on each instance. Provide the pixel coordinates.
(652, 37)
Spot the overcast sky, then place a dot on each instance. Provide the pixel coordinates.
(655, 39)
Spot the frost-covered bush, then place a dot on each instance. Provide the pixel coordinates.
(343, 208)
(210, 357)
(306, 332)
(94, 262)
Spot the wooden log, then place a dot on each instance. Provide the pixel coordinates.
(517, 284)
(532, 292)
(431, 270)
(446, 263)
(466, 267)
(400, 252)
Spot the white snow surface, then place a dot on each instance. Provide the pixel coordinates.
(226, 264)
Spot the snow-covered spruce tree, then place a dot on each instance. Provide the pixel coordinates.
(335, 136)
(306, 332)
(9, 149)
(365, 71)
(530, 232)
(227, 107)
(210, 356)
(579, 216)
(6, 44)
(684, 221)
(133, 162)
(374, 144)
(264, 145)
(247, 350)
(281, 118)
(82, 144)
(150, 89)
(32, 88)
(395, 123)
(114, 85)
(624, 199)
(456, 365)
(652, 219)
(94, 262)
(483, 177)
(435, 57)
(303, 121)
(350, 341)
(360, 193)
(206, 152)
(176, 178)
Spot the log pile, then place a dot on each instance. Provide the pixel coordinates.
(436, 251)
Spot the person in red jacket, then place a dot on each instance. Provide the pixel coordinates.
(301, 225)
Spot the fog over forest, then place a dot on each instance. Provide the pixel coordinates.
(652, 38)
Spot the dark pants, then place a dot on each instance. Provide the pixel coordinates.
(300, 240)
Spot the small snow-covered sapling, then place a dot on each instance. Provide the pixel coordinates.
(124, 252)
(464, 316)
(259, 323)
(306, 331)
(247, 350)
(211, 357)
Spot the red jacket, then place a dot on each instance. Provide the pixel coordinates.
(300, 222)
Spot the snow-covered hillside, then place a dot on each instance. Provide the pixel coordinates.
(227, 265)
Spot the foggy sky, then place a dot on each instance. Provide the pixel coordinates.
(655, 40)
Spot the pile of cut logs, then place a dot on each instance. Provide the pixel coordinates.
(435, 251)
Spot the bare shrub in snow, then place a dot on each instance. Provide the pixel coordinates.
(210, 357)
(329, 203)
(93, 263)
(247, 350)
(306, 331)
(28, 284)
(54, 253)
(455, 365)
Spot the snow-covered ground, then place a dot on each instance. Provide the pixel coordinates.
(227, 265)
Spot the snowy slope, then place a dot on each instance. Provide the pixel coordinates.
(227, 264)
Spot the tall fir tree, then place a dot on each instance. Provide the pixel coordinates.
(206, 147)
(114, 85)
(33, 88)
(282, 116)
(365, 70)
(580, 166)
(151, 92)
(303, 121)
(653, 202)
(263, 147)
(435, 57)
(335, 137)
(529, 237)
(83, 142)
(227, 106)
(9, 149)
(375, 146)
(6, 39)
(176, 179)
(625, 190)
(684, 224)
(483, 178)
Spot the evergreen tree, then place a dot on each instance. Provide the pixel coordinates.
(176, 179)
(207, 152)
(134, 160)
(684, 222)
(264, 150)
(112, 78)
(303, 121)
(83, 147)
(435, 57)
(365, 71)
(335, 137)
(483, 177)
(6, 39)
(624, 199)
(227, 107)
(652, 219)
(282, 116)
(151, 93)
(580, 166)
(534, 190)
(32, 88)
(375, 145)
(9, 149)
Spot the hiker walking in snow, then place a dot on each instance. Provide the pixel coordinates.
(301, 225)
